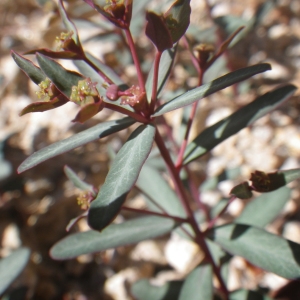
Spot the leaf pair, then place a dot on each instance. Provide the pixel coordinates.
(166, 30)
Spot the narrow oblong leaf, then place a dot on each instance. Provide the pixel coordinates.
(115, 235)
(29, 68)
(210, 88)
(68, 23)
(79, 183)
(153, 185)
(263, 209)
(11, 266)
(79, 139)
(44, 105)
(55, 54)
(198, 284)
(247, 295)
(63, 79)
(88, 111)
(165, 67)
(121, 177)
(157, 31)
(144, 290)
(217, 133)
(261, 248)
(178, 19)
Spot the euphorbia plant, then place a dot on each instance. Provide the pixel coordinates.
(99, 87)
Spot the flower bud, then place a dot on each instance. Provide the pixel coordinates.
(84, 93)
(45, 92)
(203, 53)
(112, 92)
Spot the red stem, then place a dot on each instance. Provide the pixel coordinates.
(215, 219)
(193, 58)
(127, 112)
(199, 238)
(196, 195)
(135, 59)
(155, 80)
(194, 190)
(179, 161)
(148, 212)
(92, 65)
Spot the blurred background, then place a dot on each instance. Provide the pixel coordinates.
(36, 206)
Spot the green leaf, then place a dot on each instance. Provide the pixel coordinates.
(158, 32)
(165, 67)
(261, 248)
(217, 133)
(247, 295)
(144, 290)
(198, 284)
(63, 79)
(44, 105)
(242, 191)
(209, 88)
(263, 209)
(115, 235)
(30, 69)
(11, 266)
(79, 183)
(178, 19)
(55, 54)
(121, 177)
(86, 70)
(218, 254)
(79, 139)
(154, 186)
(68, 23)
(88, 111)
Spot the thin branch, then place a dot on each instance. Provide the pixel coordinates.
(179, 161)
(217, 217)
(92, 65)
(127, 112)
(135, 60)
(199, 238)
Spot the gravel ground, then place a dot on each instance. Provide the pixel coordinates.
(36, 206)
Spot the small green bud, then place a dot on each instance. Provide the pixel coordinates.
(63, 41)
(84, 92)
(203, 53)
(45, 92)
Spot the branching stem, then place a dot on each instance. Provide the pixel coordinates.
(135, 59)
(199, 236)
(188, 126)
(127, 112)
(217, 217)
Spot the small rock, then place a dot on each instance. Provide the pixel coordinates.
(291, 231)
(181, 254)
